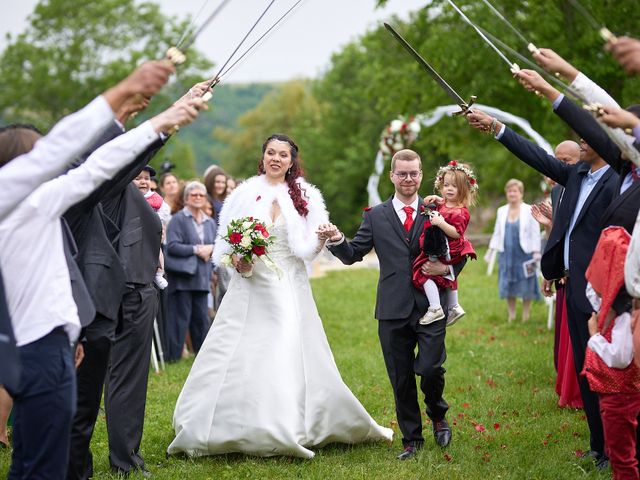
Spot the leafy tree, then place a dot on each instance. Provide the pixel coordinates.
(287, 110)
(69, 53)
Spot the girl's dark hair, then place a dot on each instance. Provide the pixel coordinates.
(15, 140)
(293, 173)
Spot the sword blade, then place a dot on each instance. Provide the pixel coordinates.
(430, 70)
(215, 78)
(213, 15)
(536, 67)
(585, 13)
(224, 73)
(191, 24)
(482, 35)
(505, 21)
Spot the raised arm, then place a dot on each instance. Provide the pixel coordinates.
(53, 153)
(524, 149)
(56, 196)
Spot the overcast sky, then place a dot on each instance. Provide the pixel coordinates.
(301, 47)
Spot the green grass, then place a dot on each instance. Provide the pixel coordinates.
(499, 376)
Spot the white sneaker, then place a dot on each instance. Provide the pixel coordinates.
(455, 313)
(160, 281)
(433, 315)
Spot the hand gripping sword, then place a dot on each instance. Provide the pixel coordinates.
(464, 106)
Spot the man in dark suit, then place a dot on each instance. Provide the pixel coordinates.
(589, 187)
(138, 246)
(104, 276)
(624, 207)
(393, 228)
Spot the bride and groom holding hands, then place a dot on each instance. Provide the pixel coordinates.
(265, 382)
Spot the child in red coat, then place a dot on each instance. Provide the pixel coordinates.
(608, 362)
(443, 239)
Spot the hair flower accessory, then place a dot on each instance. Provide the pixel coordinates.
(455, 165)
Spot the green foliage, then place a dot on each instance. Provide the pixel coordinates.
(70, 53)
(287, 109)
(500, 376)
(372, 80)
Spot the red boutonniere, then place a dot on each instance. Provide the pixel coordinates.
(366, 209)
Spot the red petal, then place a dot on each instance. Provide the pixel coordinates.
(496, 426)
(480, 428)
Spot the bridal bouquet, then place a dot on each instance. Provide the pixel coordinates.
(249, 237)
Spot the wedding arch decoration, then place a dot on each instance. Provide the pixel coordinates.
(403, 131)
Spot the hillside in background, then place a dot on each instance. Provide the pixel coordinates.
(228, 103)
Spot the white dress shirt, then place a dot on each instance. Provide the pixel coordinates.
(38, 286)
(398, 206)
(51, 154)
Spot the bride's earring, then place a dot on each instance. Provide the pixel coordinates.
(289, 171)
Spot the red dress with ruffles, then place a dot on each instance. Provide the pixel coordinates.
(459, 248)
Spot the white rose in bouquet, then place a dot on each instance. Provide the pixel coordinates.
(396, 125)
(246, 241)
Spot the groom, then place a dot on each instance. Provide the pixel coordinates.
(393, 228)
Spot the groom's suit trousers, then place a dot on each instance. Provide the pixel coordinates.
(398, 339)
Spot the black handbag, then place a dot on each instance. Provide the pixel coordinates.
(180, 265)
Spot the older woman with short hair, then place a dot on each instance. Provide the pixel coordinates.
(516, 238)
(190, 237)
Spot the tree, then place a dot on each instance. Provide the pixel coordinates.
(287, 110)
(70, 53)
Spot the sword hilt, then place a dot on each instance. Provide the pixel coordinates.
(533, 49)
(607, 36)
(597, 109)
(465, 107)
(175, 56)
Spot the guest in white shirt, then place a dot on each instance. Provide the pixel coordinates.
(44, 316)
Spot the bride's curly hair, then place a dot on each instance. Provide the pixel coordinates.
(296, 193)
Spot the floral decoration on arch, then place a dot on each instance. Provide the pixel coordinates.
(399, 134)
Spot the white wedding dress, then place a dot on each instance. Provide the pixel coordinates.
(265, 382)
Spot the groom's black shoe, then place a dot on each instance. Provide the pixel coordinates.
(410, 450)
(442, 432)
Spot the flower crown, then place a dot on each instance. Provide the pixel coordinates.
(452, 166)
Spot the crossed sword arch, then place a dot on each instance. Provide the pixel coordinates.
(616, 135)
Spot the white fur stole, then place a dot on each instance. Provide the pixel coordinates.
(254, 198)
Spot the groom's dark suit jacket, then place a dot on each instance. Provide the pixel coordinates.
(396, 249)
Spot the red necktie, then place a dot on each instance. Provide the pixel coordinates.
(408, 221)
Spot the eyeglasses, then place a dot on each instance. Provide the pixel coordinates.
(196, 194)
(404, 175)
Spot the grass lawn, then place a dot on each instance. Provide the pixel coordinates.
(500, 388)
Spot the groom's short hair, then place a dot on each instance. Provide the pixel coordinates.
(406, 155)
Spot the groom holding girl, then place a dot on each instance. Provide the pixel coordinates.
(394, 228)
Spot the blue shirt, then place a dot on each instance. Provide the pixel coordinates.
(628, 179)
(589, 181)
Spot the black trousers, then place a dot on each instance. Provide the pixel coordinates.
(187, 310)
(579, 335)
(125, 393)
(43, 409)
(90, 377)
(398, 339)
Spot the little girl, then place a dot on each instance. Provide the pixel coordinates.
(458, 187)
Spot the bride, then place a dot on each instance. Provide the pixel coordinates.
(265, 382)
